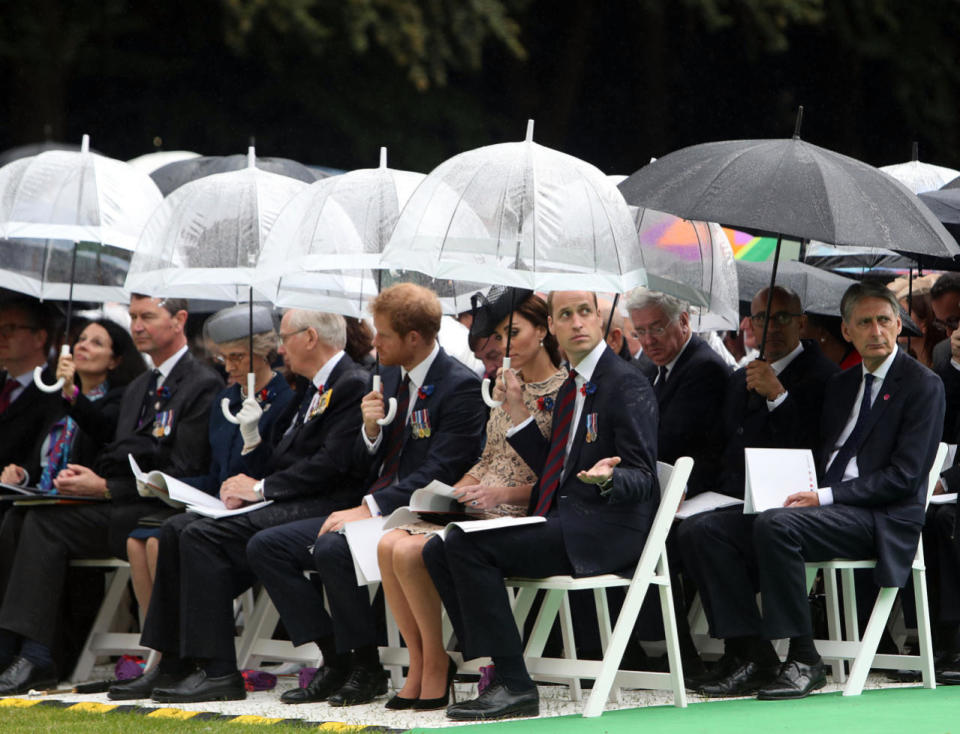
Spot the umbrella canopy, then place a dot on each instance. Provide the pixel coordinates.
(30, 149)
(75, 196)
(920, 177)
(792, 188)
(203, 241)
(174, 175)
(520, 214)
(150, 162)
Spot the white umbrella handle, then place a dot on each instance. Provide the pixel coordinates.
(38, 375)
(391, 411)
(225, 402)
(486, 393)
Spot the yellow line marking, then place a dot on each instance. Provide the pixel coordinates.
(168, 713)
(341, 728)
(18, 703)
(252, 719)
(92, 707)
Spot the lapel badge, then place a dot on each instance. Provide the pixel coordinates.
(591, 427)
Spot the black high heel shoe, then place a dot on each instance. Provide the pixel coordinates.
(430, 704)
(398, 703)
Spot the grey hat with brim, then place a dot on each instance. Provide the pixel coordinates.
(233, 323)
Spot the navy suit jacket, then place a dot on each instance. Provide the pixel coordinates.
(894, 457)
(690, 406)
(604, 533)
(458, 418)
(25, 421)
(313, 462)
(794, 424)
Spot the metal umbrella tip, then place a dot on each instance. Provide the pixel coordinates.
(529, 138)
(251, 157)
(383, 156)
(796, 129)
(85, 144)
(916, 152)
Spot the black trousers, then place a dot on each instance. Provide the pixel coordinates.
(468, 570)
(732, 556)
(279, 556)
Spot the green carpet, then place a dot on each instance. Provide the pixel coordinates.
(898, 710)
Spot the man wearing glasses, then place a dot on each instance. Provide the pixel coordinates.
(25, 337)
(689, 382)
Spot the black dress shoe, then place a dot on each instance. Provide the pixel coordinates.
(362, 686)
(720, 669)
(142, 686)
(198, 686)
(22, 675)
(497, 702)
(325, 681)
(796, 680)
(744, 679)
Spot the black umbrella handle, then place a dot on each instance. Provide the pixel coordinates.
(773, 282)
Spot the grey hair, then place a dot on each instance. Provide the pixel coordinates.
(866, 289)
(640, 298)
(264, 344)
(330, 327)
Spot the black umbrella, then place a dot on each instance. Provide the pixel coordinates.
(820, 291)
(789, 188)
(945, 205)
(173, 175)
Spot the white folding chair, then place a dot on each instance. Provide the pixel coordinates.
(651, 569)
(864, 652)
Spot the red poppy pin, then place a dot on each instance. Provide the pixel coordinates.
(545, 403)
(588, 388)
(424, 391)
(886, 396)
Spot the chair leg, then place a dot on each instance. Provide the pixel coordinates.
(569, 643)
(672, 639)
(871, 639)
(923, 628)
(832, 596)
(101, 624)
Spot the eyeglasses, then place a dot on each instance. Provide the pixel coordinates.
(950, 324)
(654, 331)
(8, 330)
(233, 358)
(284, 337)
(780, 318)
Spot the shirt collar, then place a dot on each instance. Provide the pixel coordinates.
(418, 374)
(25, 379)
(881, 372)
(669, 365)
(589, 363)
(166, 367)
(323, 374)
(781, 364)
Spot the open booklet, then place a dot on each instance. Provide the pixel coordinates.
(180, 494)
(704, 502)
(430, 502)
(775, 474)
(35, 495)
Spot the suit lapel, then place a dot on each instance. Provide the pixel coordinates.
(434, 377)
(573, 460)
(672, 376)
(888, 389)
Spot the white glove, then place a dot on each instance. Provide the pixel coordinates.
(249, 417)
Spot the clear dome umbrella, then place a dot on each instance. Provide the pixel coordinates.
(920, 177)
(68, 220)
(203, 241)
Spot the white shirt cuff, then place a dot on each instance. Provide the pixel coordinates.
(372, 446)
(261, 488)
(777, 401)
(372, 505)
(519, 426)
(825, 495)
(955, 364)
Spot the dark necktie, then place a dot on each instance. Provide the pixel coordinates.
(553, 468)
(9, 386)
(849, 449)
(148, 398)
(304, 406)
(391, 460)
(661, 383)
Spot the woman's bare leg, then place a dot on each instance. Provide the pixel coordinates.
(140, 573)
(395, 597)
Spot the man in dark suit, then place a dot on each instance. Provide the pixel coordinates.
(597, 489)
(689, 383)
(436, 434)
(25, 411)
(202, 563)
(880, 427)
(945, 301)
(163, 424)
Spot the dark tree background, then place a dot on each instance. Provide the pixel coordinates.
(615, 82)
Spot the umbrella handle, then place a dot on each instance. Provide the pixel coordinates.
(391, 411)
(38, 375)
(225, 402)
(486, 393)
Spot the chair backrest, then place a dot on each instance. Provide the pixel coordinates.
(935, 470)
(673, 481)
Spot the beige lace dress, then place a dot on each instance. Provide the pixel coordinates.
(500, 465)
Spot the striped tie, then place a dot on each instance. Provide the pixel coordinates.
(553, 468)
(391, 460)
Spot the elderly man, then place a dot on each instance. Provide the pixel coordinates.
(436, 434)
(879, 432)
(203, 564)
(689, 382)
(163, 424)
(597, 489)
(25, 337)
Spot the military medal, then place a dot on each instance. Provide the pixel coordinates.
(591, 427)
